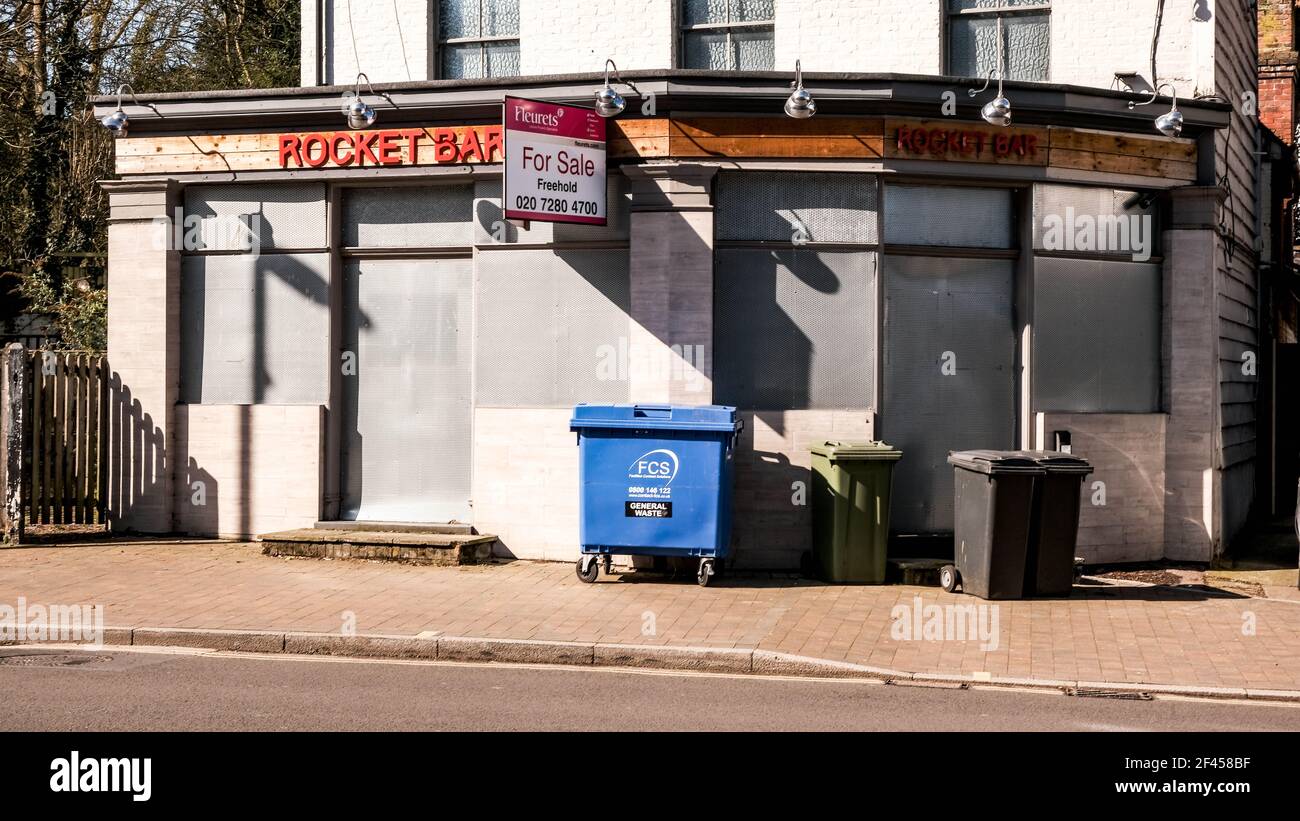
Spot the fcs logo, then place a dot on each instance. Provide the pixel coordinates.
(659, 465)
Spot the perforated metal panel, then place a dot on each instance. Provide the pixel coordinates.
(290, 216)
(794, 329)
(490, 227)
(948, 216)
(552, 327)
(408, 216)
(779, 206)
(407, 412)
(955, 313)
(255, 329)
(1076, 217)
(1096, 329)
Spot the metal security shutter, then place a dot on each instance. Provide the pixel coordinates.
(291, 216)
(407, 414)
(550, 323)
(408, 216)
(491, 228)
(783, 206)
(1071, 204)
(950, 216)
(794, 329)
(1096, 332)
(255, 329)
(934, 307)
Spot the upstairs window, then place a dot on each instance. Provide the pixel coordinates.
(728, 35)
(973, 35)
(478, 38)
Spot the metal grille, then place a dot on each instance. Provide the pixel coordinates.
(948, 216)
(785, 207)
(407, 410)
(553, 327)
(944, 311)
(1096, 336)
(255, 329)
(1062, 212)
(290, 216)
(794, 329)
(490, 227)
(408, 216)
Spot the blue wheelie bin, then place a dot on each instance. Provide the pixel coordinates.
(655, 480)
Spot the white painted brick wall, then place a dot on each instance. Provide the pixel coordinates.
(899, 36)
(1091, 39)
(392, 40)
(574, 36)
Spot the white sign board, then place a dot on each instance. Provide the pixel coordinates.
(555, 163)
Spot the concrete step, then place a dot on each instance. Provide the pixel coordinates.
(412, 548)
(399, 527)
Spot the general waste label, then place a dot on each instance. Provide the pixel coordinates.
(648, 510)
(555, 162)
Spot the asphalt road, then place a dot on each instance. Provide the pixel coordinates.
(117, 689)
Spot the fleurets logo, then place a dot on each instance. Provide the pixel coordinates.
(658, 465)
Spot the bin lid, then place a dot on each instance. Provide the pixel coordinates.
(861, 449)
(994, 461)
(1056, 461)
(720, 418)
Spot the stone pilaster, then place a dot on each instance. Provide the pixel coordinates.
(143, 353)
(671, 349)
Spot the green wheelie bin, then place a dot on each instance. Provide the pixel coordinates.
(850, 508)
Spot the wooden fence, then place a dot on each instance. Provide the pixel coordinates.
(64, 473)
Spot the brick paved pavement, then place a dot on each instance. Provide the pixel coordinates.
(1159, 635)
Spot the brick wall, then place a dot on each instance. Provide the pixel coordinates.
(1090, 39)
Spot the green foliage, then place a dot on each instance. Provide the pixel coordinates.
(57, 54)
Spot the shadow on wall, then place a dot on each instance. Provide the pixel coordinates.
(135, 481)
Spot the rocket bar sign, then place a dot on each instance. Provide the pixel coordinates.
(555, 163)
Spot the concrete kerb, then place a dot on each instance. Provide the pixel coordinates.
(598, 654)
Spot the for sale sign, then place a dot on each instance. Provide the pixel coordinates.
(555, 162)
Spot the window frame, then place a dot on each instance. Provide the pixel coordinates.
(683, 29)
(1002, 10)
(439, 44)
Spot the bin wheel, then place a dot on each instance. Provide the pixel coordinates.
(590, 573)
(705, 574)
(949, 578)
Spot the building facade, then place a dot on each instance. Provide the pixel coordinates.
(389, 347)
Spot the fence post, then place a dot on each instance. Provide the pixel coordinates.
(12, 427)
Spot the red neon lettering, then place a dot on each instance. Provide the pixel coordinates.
(444, 145)
(364, 143)
(471, 148)
(413, 142)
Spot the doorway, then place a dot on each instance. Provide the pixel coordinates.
(407, 403)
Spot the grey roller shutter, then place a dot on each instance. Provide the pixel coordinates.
(794, 329)
(553, 327)
(407, 410)
(1096, 329)
(255, 329)
(956, 312)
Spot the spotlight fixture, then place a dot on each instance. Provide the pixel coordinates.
(118, 122)
(1171, 122)
(360, 115)
(801, 104)
(998, 110)
(609, 103)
